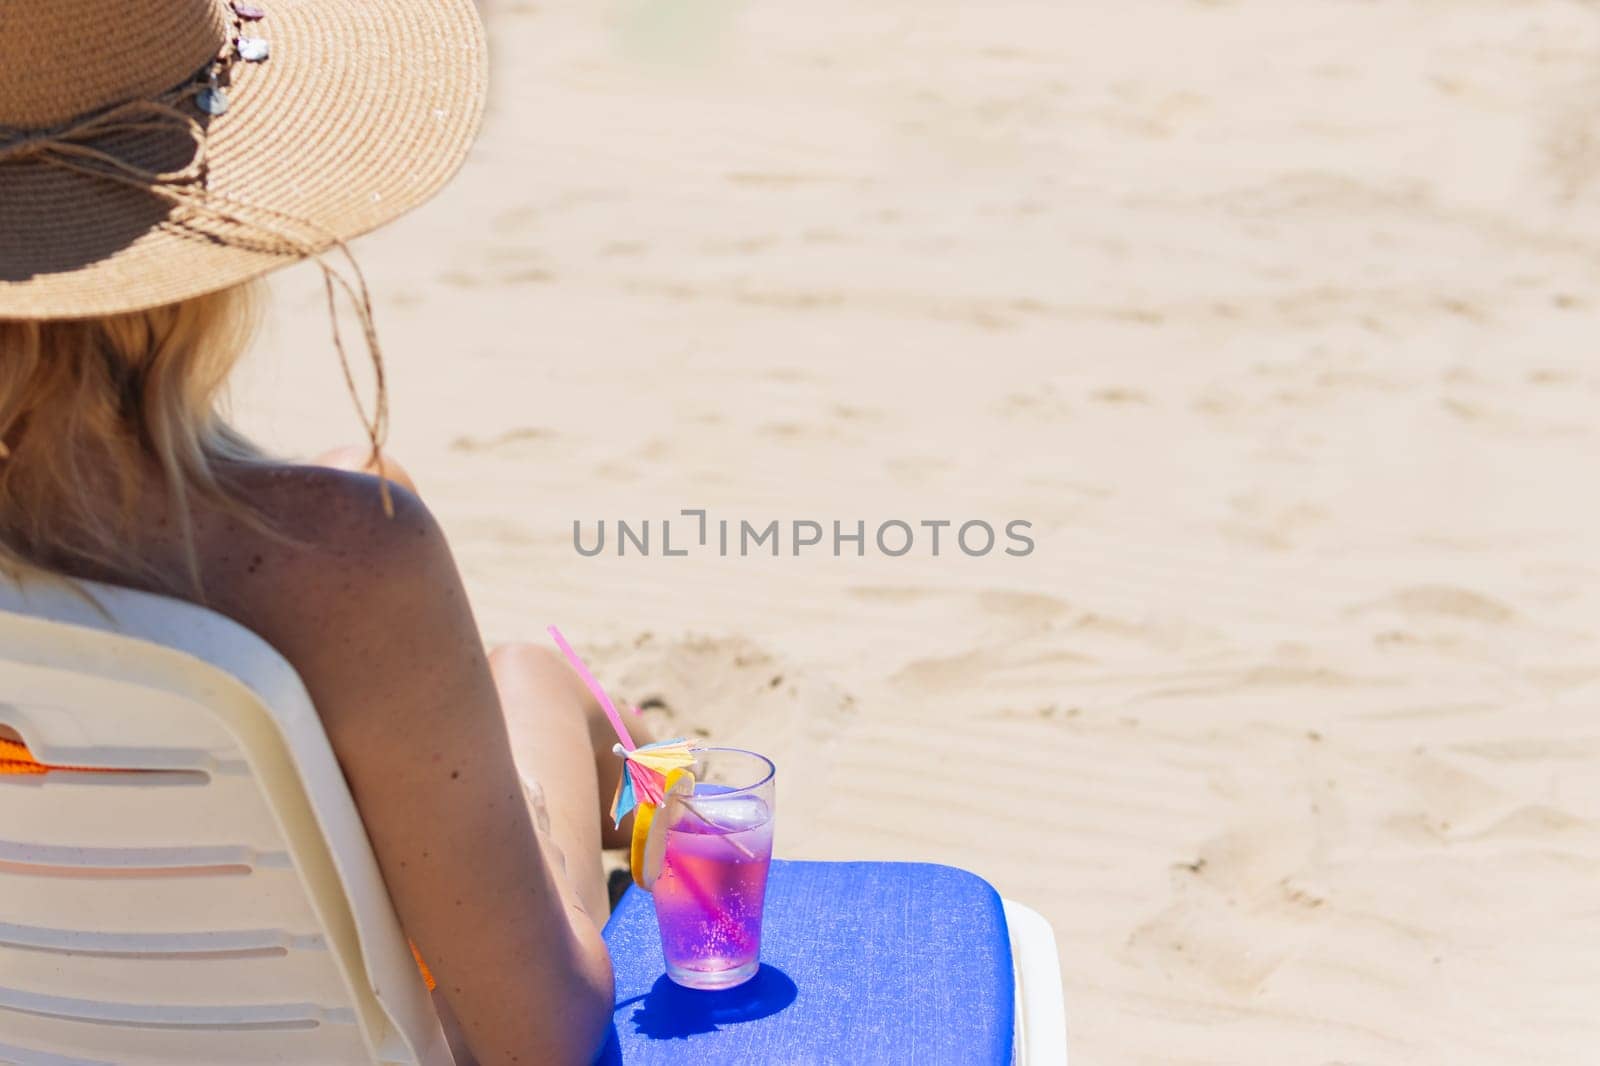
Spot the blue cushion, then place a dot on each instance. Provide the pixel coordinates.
(861, 962)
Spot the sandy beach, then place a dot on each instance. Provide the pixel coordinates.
(1278, 324)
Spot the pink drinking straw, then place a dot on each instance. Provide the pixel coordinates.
(696, 890)
(594, 687)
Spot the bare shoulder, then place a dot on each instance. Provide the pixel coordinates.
(343, 590)
(336, 512)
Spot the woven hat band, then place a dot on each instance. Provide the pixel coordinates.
(66, 58)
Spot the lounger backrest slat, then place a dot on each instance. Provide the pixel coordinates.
(192, 808)
(167, 969)
(311, 1042)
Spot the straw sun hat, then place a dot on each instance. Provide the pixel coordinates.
(154, 150)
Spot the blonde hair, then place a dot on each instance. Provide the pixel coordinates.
(87, 405)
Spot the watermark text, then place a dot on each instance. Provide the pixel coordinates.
(694, 531)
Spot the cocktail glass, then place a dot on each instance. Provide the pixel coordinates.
(713, 881)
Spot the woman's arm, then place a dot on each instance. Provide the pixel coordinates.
(397, 669)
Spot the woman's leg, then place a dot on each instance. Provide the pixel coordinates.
(547, 718)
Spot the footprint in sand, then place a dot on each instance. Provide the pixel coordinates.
(517, 435)
(984, 672)
(726, 690)
(1441, 799)
(1120, 395)
(1032, 607)
(1242, 906)
(1441, 601)
(1045, 403)
(1023, 606)
(1572, 144)
(851, 413)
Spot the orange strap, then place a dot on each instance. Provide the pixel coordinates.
(17, 760)
(427, 974)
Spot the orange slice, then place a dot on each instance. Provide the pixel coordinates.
(650, 831)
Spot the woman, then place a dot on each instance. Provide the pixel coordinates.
(151, 164)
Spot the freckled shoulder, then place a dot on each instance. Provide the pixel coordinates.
(367, 607)
(333, 558)
(336, 510)
(336, 517)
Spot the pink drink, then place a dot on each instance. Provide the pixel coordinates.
(712, 887)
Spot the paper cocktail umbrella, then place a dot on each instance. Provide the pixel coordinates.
(644, 774)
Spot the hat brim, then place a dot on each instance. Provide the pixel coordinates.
(363, 111)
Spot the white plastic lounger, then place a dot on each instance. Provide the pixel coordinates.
(1041, 1008)
(226, 909)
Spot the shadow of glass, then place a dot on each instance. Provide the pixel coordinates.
(671, 1012)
